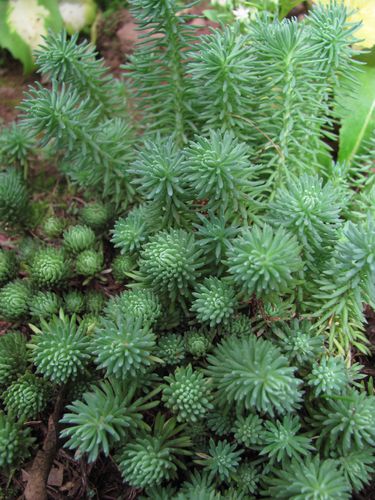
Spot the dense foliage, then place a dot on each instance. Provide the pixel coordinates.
(241, 257)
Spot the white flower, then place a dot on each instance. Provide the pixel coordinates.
(241, 13)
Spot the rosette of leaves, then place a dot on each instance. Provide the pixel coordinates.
(49, 267)
(139, 303)
(198, 480)
(239, 326)
(78, 238)
(357, 466)
(8, 266)
(264, 260)
(248, 430)
(15, 441)
(220, 420)
(281, 440)
(345, 422)
(330, 376)
(221, 460)
(14, 300)
(26, 397)
(214, 235)
(247, 478)
(14, 198)
(53, 226)
(60, 348)
(252, 373)
(94, 301)
(309, 479)
(299, 341)
(197, 342)
(152, 458)
(170, 264)
(44, 304)
(160, 175)
(308, 209)
(214, 301)
(107, 414)
(132, 231)
(89, 262)
(171, 348)
(218, 170)
(121, 266)
(95, 215)
(14, 357)
(16, 146)
(124, 347)
(187, 394)
(74, 302)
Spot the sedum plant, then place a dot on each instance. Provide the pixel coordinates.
(106, 414)
(124, 347)
(187, 393)
(14, 357)
(235, 250)
(27, 397)
(60, 348)
(150, 459)
(15, 442)
(252, 373)
(14, 300)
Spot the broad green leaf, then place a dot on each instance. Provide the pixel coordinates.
(23, 23)
(363, 10)
(358, 117)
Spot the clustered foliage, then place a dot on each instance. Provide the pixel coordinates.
(198, 312)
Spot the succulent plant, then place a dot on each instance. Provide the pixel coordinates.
(132, 231)
(239, 326)
(170, 264)
(330, 376)
(140, 303)
(215, 301)
(95, 215)
(106, 414)
(197, 342)
(8, 266)
(264, 260)
(94, 301)
(308, 479)
(345, 422)
(121, 265)
(123, 347)
(282, 440)
(299, 341)
(247, 478)
(152, 458)
(74, 302)
(44, 304)
(248, 430)
(252, 373)
(15, 442)
(26, 397)
(14, 198)
(89, 262)
(187, 394)
(222, 459)
(78, 238)
(49, 268)
(53, 226)
(171, 348)
(14, 300)
(60, 348)
(14, 357)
